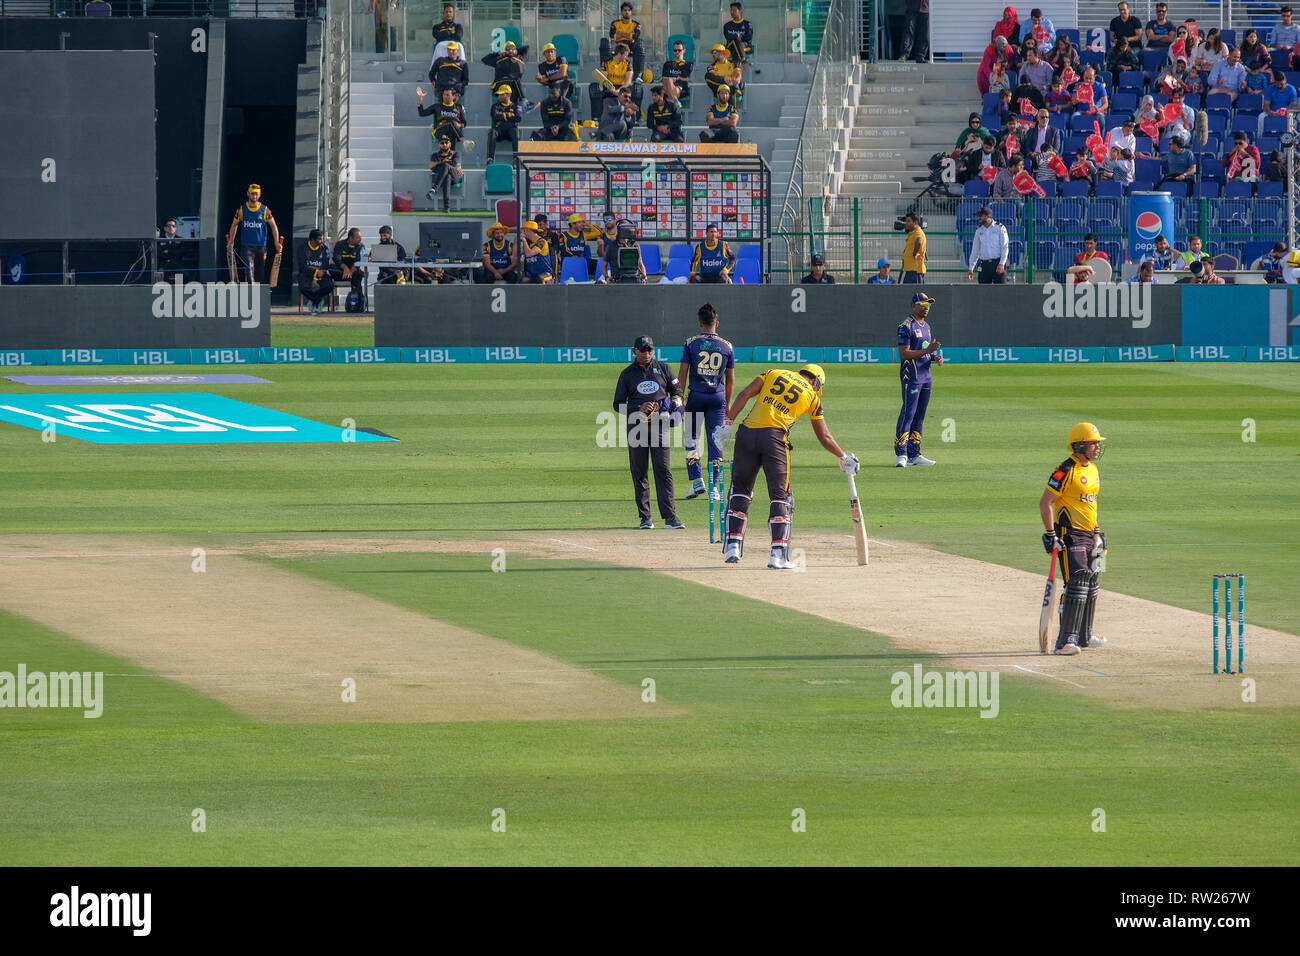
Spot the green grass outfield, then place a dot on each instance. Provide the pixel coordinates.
(486, 450)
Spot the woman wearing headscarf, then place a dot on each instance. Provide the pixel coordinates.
(1000, 49)
(1008, 26)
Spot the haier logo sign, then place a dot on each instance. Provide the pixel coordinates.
(166, 418)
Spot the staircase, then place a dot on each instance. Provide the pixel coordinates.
(370, 149)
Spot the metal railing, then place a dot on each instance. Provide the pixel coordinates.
(335, 169)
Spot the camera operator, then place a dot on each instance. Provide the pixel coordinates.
(619, 264)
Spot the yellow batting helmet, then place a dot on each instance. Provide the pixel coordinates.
(1083, 432)
(817, 373)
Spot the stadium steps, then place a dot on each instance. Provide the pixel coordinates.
(370, 149)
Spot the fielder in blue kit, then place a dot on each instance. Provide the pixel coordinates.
(711, 363)
(917, 349)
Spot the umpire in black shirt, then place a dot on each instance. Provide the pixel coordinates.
(648, 394)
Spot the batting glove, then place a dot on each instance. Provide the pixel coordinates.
(722, 434)
(850, 464)
(1052, 543)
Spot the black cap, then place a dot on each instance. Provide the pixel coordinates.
(385, 230)
(643, 342)
(818, 259)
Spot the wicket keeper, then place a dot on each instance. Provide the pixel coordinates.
(1069, 511)
(763, 441)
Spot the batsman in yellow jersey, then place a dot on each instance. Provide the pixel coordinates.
(1068, 508)
(763, 441)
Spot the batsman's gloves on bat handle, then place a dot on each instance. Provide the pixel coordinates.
(1052, 543)
(849, 464)
(722, 434)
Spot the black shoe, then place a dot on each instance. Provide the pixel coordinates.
(672, 524)
(647, 525)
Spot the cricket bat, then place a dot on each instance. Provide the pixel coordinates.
(275, 265)
(230, 261)
(859, 529)
(1049, 606)
(600, 75)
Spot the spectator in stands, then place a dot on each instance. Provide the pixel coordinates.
(1119, 166)
(1025, 90)
(1124, 137)
(553, 71)
(1171, 76)
(678, 69)
(1057, 99)
(314, 280)
(1081, 270)
(975, 161)
(1162, 256)
(916, 31)
(536, 255)
(1242, 161)
(508, 69)
(505, 117)
(664, 118)
(1278, 98)
(1147, 112)
(1181, 126)
(713, 260)
(1089, 94)
(989, 250)
(1126, 27)
(1271, 263)
(1146, 274)
(1210, 52)
(1041, 136)
(172, 253)
(621, 75)
(447, 29)
(1064, 54)
(449, 116)
(882, 276)
(719, 71)
(615, 120)
(1008, 141)
(1008, 27)
(738, 36)
(1083, 166)
(1049, 169)
(723, 120)
(1286, 36)
(345, 263)
(1276, 171)
(1041, 29)
(445, 170)
(627, 32)
(1179, 47)
(1208, 276)
(1192, 255)
(379, 9)
(1180, 166)
(818, 275)
(391, 275)
(557, 118)
(499, 258)
(913, 250)
(1028, 45)
(999, 81)
(1038, 71)
(449, 71)
(1160, 33)
(1255, 58)
(1193, 33)
(1122, 59)
(1003, 187)
(999, 53)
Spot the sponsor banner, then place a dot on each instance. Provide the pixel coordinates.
(858, 355)
(1273, 353)
(1140, 353)
(82, 357)
(440, 356)
(20, 357)
(577, 355)
(995, 354)
(1210, 353)
(350, 356)
(296, 354)
(1071, 355)
(153, 356)
(166, 418)
(507, 353)
(136, 379)
(786, 355)
(1150, 214)
(225, 356)
(640, 149)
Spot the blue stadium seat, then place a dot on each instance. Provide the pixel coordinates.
(1181, 206)
(1072, 144)
(1006, 212)
(1218, 123)
(1015, 252)
(1270, 189)
(1253, 250)
(1144, 145)
(1044, 255)
(1213, 144)
(750, 250)
(991, 122)
(678, 267)
(975, 187)
(1251, 104)
(1073, 207)
(1209, 169)
(1045, 211)
(1092, 58)
(1238, 190)
(1141, 186)
(1274, 125)
(1229, 37)
(1267, 143)
(1108, 187)
(1154, 60)
(1070, 231)
(1147, 169)
(1245, 123)
(1059, 121)
(966, 210)
(652, 256)
(1103, 214)
(1114, 120)
(1124, 103)
(1114, 251)
(748, 272)
(575, 268)
(966, 245)
(1132, 80)
(1279, 59)
(679, 249)
(1065, 257)
(990, 102)
(1208, 189)
(1269, 213)
(1293, 78)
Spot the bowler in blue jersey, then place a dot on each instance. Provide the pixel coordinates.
(710, 362)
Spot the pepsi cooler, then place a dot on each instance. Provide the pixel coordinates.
(1149, 215)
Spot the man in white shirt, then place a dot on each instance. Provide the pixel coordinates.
(989, 250)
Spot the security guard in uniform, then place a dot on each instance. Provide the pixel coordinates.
(650, 396)
(763, 441)
(1069, 511)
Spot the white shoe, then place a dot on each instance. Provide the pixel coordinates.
(918, 460)
(902, 462)
(1067, 649)
(697, 488)
(732, 553)
(1095, 641)
(469, 145)
(778, 561)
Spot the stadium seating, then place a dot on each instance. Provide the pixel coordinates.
(749, 272)
(574, 269)
(652, 257)
(677, 268)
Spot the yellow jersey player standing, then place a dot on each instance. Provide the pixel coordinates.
(1069, 512)
(763, 441)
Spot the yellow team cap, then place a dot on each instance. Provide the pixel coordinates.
(252, 186)
(575, 217)
(510, 45)
(453, 45)
(497, 225)
(1293, 260)
(718, 48)
(502, 89)
(532, 225)
(549, 46)
(723, 86)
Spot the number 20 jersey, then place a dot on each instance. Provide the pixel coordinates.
(785, 396)
(708, 355)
